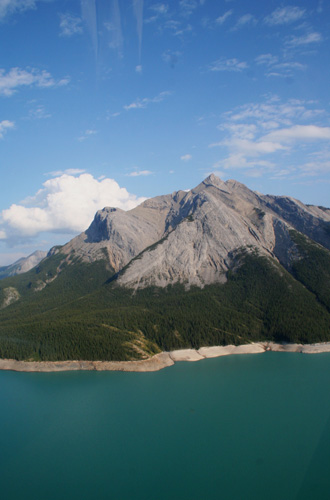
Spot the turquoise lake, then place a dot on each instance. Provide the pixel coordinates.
(238, 427)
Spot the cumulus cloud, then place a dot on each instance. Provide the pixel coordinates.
(313, 168)
(176, 28)
(244, 21)
(17, 77)
(143, 103)
(37, 111)
(4, 126)
(266, 59)
(68, 171)
(299, 133)
(222, 19)
(159, 8)
(260, 136)
(88, 133)
(299, 41)
(65, 204)
(188, 6)
(251, 148)
(8, 7)
(138, 173)
(284, 15)
(276, 68)
(285, 70)
(70, 25)
(228, 65)
(171, 57)
(185, 157)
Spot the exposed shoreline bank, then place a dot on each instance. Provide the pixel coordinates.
(161, 360)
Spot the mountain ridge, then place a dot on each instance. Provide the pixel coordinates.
(243, 218)
(216, 265)
(23, 264)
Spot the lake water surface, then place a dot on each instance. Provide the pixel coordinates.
(238, 427)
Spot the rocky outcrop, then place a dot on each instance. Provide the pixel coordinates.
(189, 237)
(10, 295)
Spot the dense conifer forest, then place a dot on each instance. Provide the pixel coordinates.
(81, 313)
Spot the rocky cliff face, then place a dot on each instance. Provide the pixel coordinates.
(190, 237)
(23, 265)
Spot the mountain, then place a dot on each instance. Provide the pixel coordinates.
(22, 265)
(215, 265)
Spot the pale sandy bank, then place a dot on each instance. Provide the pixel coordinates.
(161, 360)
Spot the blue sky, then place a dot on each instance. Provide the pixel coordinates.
(107, 102)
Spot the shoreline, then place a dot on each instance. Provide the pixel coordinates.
(161, 360)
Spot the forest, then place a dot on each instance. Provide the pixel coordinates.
(73, 310)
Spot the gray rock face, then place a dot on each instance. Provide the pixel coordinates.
(23, 265)
(188, 237)
(120, 235)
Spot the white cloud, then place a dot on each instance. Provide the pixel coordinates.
(188, 6)
(115, 30)
(313, 168)
(250, 148)
(222, 19)
(284, 15)
(88, 133)
(177, 28)
(276, 68)
(68, 171)
(143, 103)
(267, 59)
(260, 136)
(244, 20)
(4, 126)
(271, 110)
(298, 41)
(138, 68)
(185, 157)
(228, 65)
(8, 7)
(285, 70)
(299, 133)
(38, 112)
(65, 204)
(159, 8)
(171, 57)
(138, 173)
(17, 77)
(70, 25)
(237, 161)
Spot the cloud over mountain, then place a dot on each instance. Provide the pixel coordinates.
(65, 204)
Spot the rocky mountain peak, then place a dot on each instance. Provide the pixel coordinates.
(189, 236)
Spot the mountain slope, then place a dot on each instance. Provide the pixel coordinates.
(218, 264)
(22, 265)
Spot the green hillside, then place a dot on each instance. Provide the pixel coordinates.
(83, 314)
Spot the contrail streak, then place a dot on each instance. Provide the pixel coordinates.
(138, 11)
(88, 11)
